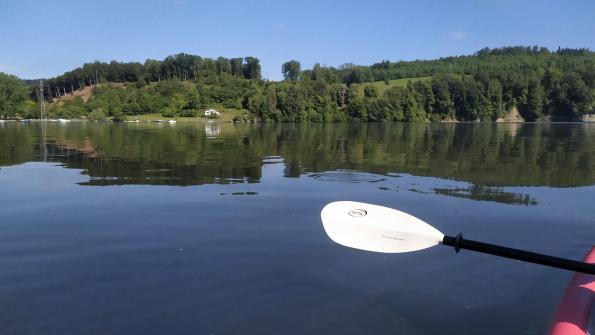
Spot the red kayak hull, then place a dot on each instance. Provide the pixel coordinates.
(572, 317)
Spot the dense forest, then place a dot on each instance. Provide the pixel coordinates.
(538, 83)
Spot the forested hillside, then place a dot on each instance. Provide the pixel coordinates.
(14, 97)
(537, 82)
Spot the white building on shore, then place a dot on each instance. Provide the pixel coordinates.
(212, 113)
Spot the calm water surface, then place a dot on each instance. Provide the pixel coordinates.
(215, 229)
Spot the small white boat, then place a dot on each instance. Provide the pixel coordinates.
(172, 121)
(63, 120)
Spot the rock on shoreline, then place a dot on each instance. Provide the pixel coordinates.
(512, 115)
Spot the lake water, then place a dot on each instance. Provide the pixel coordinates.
(215, 229)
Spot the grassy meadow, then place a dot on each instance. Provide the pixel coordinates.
(227, 115)
(382, 86)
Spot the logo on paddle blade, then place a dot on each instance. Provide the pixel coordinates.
(357, 213)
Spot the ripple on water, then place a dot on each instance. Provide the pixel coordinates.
(347, 176)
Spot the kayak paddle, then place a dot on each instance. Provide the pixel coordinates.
(382, 229)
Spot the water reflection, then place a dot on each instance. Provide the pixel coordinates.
(212, 129)
(239, 193)
(486, 193)
(488, 156)
(104, 254)
(347, 176)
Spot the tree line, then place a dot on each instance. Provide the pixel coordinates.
(182, 66)
(537, 82)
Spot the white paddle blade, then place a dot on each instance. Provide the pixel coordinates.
(376, 228)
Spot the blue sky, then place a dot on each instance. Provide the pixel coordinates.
(47, 38)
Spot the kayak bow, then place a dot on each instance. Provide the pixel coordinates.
(574, 311)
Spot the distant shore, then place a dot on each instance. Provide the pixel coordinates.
(188, 120)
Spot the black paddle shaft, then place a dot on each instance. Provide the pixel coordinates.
(458, 242)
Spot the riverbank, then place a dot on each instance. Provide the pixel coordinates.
(241, 115)
(226, 115)
(156, 118)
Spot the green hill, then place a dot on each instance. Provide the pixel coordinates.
(536, 82)
(382, 86)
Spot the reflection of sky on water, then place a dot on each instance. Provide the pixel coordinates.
(167, 245)
(240, 247)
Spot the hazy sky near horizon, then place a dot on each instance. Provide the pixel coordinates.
(47, 38)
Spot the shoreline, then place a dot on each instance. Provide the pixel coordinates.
(174, 121)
